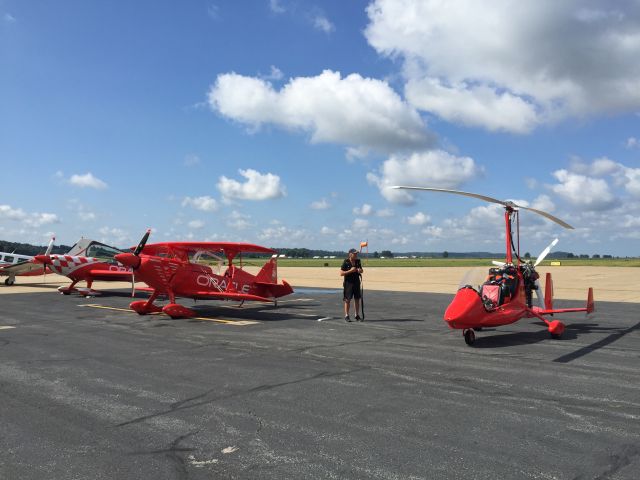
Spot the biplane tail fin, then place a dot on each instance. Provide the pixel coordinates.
(548, 292)
(269, 272)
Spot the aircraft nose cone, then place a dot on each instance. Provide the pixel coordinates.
(44, 259)
(465, 310)
(128, 259)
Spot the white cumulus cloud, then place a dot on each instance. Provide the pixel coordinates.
(585, 192)
(196, 224)
(257, 186)
(353, 111)
(364, 210)
(88, 180)
(276, 7)
(204, 203)
(511, 67)
(360, 224)
(114, 236)
(434, 168)
(322, 23)
(418, 219)
(29, 219)
(238, 220)
(321, 204)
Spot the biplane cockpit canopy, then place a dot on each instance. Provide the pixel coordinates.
(92, 248)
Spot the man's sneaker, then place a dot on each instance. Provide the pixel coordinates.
(346, 318)
(358, 319)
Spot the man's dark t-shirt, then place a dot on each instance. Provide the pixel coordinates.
(353, 277)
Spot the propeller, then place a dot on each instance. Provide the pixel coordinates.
(540, 258)
(142, 243)
(132, 260)
(47, 253)
(545, 252)
(506, 204)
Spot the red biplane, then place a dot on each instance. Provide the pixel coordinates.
(88, 260)
(505, 295)
(183, 269)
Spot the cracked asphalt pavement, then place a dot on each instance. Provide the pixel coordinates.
(103, 393)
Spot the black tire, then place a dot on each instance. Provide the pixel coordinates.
(469, 337)
(9, 281)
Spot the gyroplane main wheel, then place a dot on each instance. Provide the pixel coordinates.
(469, 336)
(9, 281)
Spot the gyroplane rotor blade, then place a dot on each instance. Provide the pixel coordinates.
(505, 203)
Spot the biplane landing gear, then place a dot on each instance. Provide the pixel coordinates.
(469, 336)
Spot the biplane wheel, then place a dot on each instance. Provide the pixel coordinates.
(469, 336)
(9, 281)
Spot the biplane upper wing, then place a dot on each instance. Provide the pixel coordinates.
(230, 249)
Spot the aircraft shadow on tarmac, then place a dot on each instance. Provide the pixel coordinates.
(490, 338)
(398, 320)
(616, 334)
(572, 332)
(499, 340)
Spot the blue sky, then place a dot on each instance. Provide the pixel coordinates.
(284, 122)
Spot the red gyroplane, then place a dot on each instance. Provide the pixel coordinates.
(505, 295)
(183, 269)
(88, 260)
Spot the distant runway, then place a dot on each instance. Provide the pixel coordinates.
(90, 390)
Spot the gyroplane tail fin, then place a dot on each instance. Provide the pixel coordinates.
(548, 293)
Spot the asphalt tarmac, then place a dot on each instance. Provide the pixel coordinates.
(89, 390)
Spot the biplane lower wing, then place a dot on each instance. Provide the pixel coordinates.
(229, 296)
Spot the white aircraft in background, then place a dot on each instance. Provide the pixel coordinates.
(12, 264)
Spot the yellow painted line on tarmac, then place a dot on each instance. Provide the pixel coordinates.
(6, 327)
(217, 320)
(296, 300)
(240, 323)
(104, 307)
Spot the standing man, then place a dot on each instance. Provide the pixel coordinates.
(351, 270)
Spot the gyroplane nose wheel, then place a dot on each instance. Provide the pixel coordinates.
(469, 336)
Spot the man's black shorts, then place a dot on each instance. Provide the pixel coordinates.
(351, 290)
